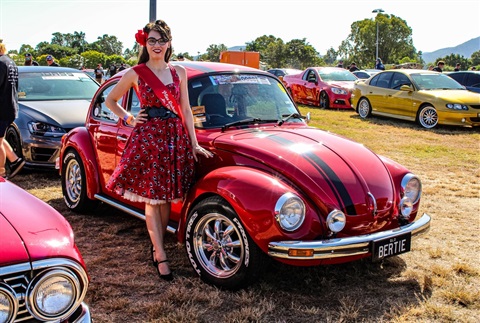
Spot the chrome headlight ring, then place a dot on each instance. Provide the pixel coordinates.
(8, 303)
(290, 212)
(411, 187)
(53, 294)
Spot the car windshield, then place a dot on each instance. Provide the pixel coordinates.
(429, 81)
(336, 75)
(40, 86)
(225, 99)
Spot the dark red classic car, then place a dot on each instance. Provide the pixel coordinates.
(325, 87)
(42, 274)
(275, 187)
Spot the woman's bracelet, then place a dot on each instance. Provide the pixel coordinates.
(128, 118)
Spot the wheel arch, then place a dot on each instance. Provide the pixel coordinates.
(79, 140)
(241, 187)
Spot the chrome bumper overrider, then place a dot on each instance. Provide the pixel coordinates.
(345, 247)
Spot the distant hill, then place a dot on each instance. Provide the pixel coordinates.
(466, 50)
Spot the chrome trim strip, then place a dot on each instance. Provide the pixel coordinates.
(345, 247)
(126, 209)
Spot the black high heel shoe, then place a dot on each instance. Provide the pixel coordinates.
(167, 277)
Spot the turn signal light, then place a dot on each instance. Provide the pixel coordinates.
(300, 252)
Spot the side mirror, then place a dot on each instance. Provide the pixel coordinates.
(407, 88)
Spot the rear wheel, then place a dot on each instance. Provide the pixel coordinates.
(427, 117)
(324, 100)
(364, 108)
(218, 246)
(74, 184)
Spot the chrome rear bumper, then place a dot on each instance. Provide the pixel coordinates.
(345, 247)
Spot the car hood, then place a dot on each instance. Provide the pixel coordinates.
(342, 84)
(454, 96)
(328, 168)
(31, 229)
(64, 113)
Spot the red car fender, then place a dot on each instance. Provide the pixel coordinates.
(244, 189)
(79, 140)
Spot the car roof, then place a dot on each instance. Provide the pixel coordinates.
(195, 68)
(44, 69)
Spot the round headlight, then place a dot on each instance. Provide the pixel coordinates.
(336, 221)
(8, 304)
(290, 211)
(411, 187)
(53, 295)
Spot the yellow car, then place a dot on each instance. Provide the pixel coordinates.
(426, 97)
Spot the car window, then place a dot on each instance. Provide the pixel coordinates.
(435, 81)
(101, 111)
(217, 100)
(37, 86)
(311, 77)
(381, 80)
(328, 75)
(398, 80)
(457, 77)
(473, 80)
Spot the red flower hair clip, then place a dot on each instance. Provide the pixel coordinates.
(141, 37)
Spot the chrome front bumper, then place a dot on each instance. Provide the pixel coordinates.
(345, 247)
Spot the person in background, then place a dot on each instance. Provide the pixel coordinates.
(98, 72)
(340, 63)
(157, 164)
(353, 67)
(439, 67)
(112, 70)
(8, 112)
(122, 67)
(379, 65)
(473, 68)
(29, 60)
(457, 67)
(430, 67)
(51, 61)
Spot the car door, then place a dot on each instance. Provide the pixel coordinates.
(377, 92)
(399, 102)
(311, 80)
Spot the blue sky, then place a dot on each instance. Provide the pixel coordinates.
(196, 24)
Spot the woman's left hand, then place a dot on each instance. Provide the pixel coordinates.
(200, 150)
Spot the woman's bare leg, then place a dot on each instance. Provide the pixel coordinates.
(157, 217)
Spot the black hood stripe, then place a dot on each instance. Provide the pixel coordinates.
(331, 178)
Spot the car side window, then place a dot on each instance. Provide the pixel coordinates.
(382, 80)
(311, 76)
(101, 111)
(473, 80)
(134, 103)
(398, 80)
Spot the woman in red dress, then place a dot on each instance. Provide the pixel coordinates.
(157, 164)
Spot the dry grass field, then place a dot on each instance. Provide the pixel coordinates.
(439, 281)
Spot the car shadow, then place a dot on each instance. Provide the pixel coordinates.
(439, 129)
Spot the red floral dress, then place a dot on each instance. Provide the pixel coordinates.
(157, 164)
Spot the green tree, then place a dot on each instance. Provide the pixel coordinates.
(475, 58)
(91, 58)
(300, 54)
(394, 41)
(109, 45)
(56, 50)
(330, 57)
(213, 53)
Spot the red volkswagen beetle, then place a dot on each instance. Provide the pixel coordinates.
(325, 87)
(42, 274)
(275, 187)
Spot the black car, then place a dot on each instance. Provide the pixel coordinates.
(469, 79)
(52, 100)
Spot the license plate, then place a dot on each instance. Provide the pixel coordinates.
(391, 246)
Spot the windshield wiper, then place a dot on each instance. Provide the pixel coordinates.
(287, 117)
(246, 122)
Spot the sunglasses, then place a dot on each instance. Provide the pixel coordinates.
(152, 41)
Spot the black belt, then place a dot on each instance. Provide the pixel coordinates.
(159, 112)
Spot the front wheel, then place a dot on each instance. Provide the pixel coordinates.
(427, 117)
(324, 100)
(364, 108)
(74, 184)
(219, 248)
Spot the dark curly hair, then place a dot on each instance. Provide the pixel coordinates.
(162, 27)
